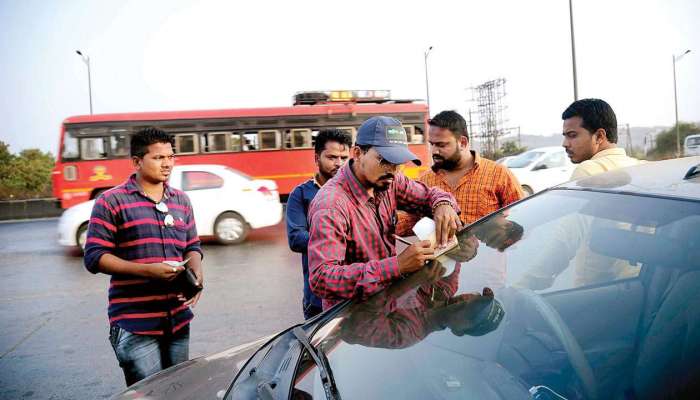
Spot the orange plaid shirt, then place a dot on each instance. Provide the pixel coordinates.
(485, 188)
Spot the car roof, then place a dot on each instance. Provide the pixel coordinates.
(661, 178)
(547, 149)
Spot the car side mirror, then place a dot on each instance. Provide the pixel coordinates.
(539, 167)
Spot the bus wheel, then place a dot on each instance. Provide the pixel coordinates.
(230, 228)
(527, 190)
(81, 236)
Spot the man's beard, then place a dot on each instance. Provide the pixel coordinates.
(327, 175)
(380, 185)
(448, 164)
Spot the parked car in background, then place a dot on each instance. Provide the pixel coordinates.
(608, 310)
(691, 145)
(226, 204)
(541, 168)
(504, 160)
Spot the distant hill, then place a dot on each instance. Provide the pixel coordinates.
(638, 133)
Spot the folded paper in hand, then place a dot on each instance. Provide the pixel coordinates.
(177, 263)
(425, 230)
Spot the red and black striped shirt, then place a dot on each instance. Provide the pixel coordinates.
(126, 223)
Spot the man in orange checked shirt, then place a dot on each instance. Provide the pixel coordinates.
(479, 185)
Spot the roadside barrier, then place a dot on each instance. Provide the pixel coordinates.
(26, 209)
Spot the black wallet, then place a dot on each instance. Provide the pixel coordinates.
(187, 283)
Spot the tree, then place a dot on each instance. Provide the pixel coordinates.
(5, 159)
(666, 140)
(509, 148)
(27, 175)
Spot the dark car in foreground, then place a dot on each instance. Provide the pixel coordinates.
(589, 290)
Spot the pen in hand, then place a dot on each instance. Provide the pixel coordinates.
(402, 240)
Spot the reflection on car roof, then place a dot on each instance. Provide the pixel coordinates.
(663, 178)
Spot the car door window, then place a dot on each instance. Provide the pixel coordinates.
(524, 159)
(199, 180)
(554, 160)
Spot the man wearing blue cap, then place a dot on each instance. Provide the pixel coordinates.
(353, 217)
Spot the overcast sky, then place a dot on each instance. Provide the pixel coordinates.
(178, 55)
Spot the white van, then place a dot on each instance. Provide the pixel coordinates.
(692, 145)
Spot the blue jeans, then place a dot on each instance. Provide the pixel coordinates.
(140, 356)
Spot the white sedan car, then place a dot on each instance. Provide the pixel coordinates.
(226, 204)
(541, 168)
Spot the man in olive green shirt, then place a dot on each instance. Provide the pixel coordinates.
(590, 138)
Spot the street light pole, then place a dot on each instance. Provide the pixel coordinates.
(573, 49)
(86, 60)
(675, 102)
(427, 88)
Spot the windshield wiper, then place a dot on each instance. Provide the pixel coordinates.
(324, 368)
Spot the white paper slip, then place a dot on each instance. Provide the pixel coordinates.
(425, 228)
(177, 263)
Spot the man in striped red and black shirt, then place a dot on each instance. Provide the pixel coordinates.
(135, 228)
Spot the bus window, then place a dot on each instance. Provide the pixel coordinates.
(70, 147)
(236, 142)
(269, 140)
(415, 134)
(217, 142)
(119, 144)
(186, 143)
(350, 130)
(92, 148)
(250, 141)
(299, 139)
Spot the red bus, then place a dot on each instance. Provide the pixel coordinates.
(264, 143)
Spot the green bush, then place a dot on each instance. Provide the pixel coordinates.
(666, 141)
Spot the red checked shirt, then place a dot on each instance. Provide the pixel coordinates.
(397, 321)
(126, 223)
(351, 243)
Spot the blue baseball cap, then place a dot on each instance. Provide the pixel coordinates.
(388, 137)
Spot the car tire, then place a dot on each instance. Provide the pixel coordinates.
(81, 236)
(527, 190)
(230, 228)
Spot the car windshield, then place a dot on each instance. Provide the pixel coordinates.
(556, 294)
(524, 159)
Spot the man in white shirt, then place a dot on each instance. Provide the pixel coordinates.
(590, 138)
